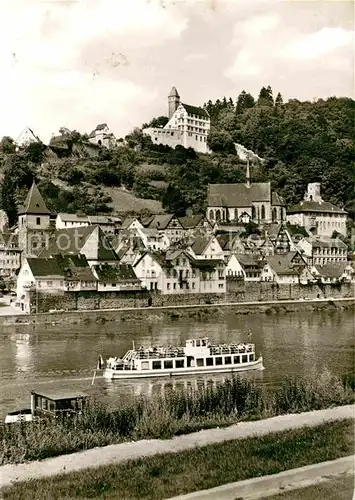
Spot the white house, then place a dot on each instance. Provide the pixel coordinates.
(188, 126)
(64, 220)
(116, 278)
(153, 239)
(62, 273)
(320, 217)
(206, 248)
(26, 137)
(334, 273)
(102, 136)
(324, 250)
(283, 268)
(244, 266)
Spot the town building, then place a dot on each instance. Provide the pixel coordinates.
(284, 268)
(244, 202)
(34, 225)
(10, 254)
(116, 278)
(177, 272)
(102, 136)
(206, 248)
(108, 224)
(55, 275)
(89, 241)
(324, 250)
(245, 267)
(196, 225)
(167, 224)
(188, 126)
(153, 239)
(317, 216)
(26, 137)
(342, 272)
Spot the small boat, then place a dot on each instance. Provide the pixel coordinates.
(49, 404)
(197, 357)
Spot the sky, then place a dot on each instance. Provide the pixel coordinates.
(77, 63)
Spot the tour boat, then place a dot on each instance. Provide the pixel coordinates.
(197, 357)
(49, 404)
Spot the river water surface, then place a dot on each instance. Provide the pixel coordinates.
(65, 357)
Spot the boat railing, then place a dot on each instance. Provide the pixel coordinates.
(160, 353)
(231, 349)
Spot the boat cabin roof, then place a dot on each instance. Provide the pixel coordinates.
(60, 395)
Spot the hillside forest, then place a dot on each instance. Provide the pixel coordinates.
(301, 142)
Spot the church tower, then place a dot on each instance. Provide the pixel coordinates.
(33, 223)
(174, 101)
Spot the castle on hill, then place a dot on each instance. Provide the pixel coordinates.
(188, 126)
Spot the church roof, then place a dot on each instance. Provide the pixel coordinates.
(174, 92)
(34, 203)
(238, 195)
(194, 110)
(277, 200)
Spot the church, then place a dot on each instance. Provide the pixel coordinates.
(188, 126)
(244, 202)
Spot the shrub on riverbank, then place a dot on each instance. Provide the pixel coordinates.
(167, 475)
(178, 411)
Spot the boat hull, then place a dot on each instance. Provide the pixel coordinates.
(133, 374)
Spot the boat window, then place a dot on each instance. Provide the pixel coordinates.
(236, 359)
(197, 343)
(219, 360)
(228, 360)
(251, 357)
(156, 365)
(145, 365)
(52, 405)
(209, 361)
(44, 404)
(244, 358)
(203, 343)
(168, 364)
(179, 363)
(199, 362)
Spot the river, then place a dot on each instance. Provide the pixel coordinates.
(60, 357)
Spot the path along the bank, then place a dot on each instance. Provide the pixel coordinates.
(124, 451)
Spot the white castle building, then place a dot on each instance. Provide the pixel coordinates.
(188, 126)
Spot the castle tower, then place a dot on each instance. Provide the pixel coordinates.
(174, 101)
(313, 192)
(33, 223)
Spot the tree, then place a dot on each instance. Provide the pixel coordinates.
(8, 197)
(35, 151)
(7, 145)
(158, 122)
(265, 97)
(220, 141)
(174, 201)
(279, 101)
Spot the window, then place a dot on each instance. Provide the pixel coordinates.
(219, 361)
(38, 221)
(156, 365)
(49, 283)
(179, 363)
(199, 362)
(174, 286)
(113, 284)
(251, 357)
(244, 358)
(145, 365)
(236, 360)
(168, 286)
(209, 361)
(168, 364)
(228, 360)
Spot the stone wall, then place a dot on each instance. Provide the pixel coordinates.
(237, 291)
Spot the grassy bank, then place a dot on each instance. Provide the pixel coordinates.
(178, 412)
(164, 476)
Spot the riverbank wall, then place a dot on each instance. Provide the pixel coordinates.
(173, 312)
(237, 291)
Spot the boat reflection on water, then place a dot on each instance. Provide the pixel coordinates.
(132, 388)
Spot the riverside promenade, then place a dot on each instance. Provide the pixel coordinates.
(119, 453)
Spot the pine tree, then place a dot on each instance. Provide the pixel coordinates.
(279, 101)
(240, 103)
(265, 97)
